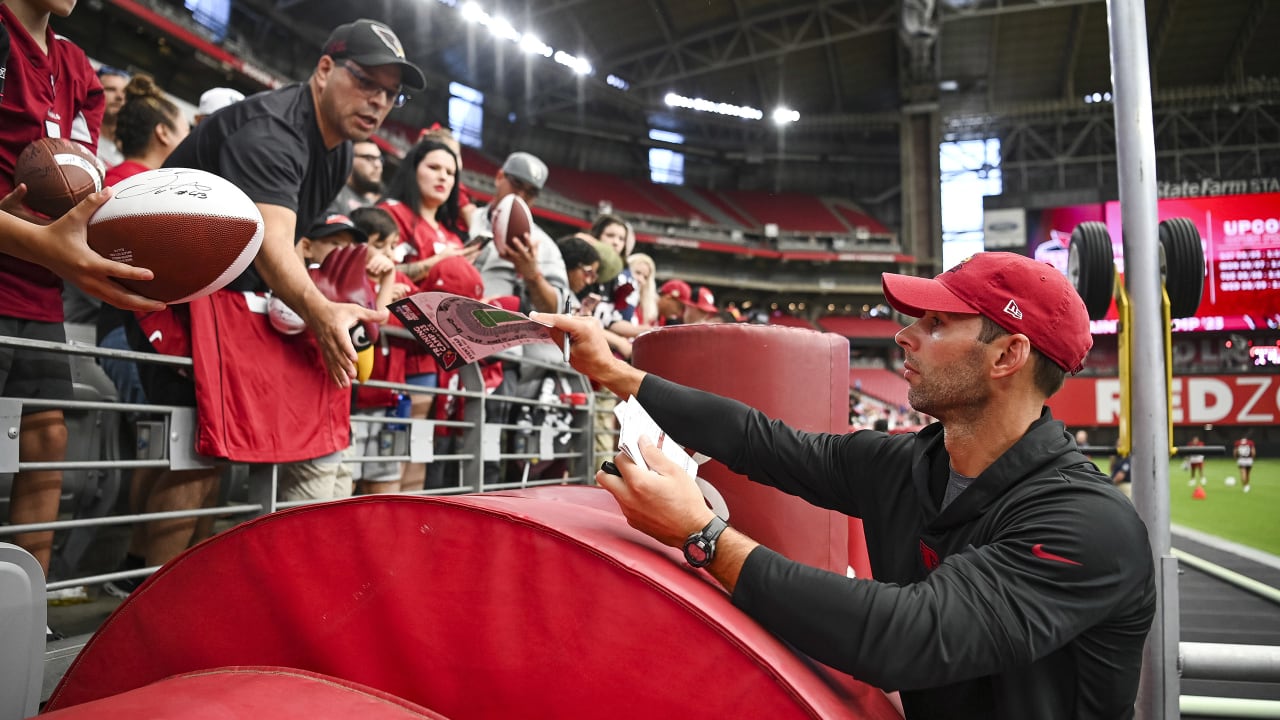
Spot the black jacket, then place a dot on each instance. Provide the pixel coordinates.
(1030, 596)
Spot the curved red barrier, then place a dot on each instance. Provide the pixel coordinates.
(476, 607)
(244, 692)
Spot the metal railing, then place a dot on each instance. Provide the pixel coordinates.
(490, 442)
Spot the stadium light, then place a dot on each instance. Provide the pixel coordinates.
(784, 115)
(502, 29)
(719, 108)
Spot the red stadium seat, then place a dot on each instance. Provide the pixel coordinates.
(785, 320)
(884, 385)
(790, 211)
(851, 326)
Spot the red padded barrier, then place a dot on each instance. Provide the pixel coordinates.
(798, 376)
(478, 606)
(249, 692)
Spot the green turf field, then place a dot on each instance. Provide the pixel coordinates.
(1251, 519)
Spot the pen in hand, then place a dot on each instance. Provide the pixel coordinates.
(567, 308)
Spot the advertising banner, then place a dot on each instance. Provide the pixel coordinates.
(1197, 400)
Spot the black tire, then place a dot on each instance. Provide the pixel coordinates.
(1182, 266)
(1091, 267)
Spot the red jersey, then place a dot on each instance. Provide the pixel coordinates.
(126, 169)
(53, 95)
(259, 396)
(418, 241)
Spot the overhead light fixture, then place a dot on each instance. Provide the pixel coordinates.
(719, 108)
(502, 28)
(949, 86)
(532, 45)
(784, 115)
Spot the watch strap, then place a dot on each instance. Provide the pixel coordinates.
(700, 547)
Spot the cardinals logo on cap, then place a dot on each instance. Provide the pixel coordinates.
(389, 39)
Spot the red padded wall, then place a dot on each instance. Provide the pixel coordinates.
(798, 376)
(272, 693)
(478, 606)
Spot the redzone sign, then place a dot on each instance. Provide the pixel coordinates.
(1197, 400)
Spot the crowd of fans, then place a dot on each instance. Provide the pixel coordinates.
(305, 155)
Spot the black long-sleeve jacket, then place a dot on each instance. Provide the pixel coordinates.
(1028, 597)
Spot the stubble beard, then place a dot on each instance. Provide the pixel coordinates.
(941, 392)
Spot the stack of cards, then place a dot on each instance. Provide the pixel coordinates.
(634, 423)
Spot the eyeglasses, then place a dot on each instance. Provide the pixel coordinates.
(370, 158)
(372, 88)
(588, 272)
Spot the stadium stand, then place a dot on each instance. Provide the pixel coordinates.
(793, 211)
(855, 218)
(591, 188)
(785, 320)
(478, 162)
(881, 384)
(854, 327)
(679, 207)
(719, 202)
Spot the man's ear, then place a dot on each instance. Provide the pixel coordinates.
(324, 68)
(1014, 354)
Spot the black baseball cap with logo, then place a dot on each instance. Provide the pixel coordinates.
(370, 43)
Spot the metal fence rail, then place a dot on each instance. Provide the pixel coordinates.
(486, 443)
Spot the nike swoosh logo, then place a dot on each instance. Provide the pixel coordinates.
(1039, 551)
(156, 337)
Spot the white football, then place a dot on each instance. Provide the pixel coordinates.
(194, 230)
(283, 318)
(511, 219)
(1230, 481)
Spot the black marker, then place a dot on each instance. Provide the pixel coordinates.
(610, 468)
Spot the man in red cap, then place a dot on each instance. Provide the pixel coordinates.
(671, 297)
(1012, 580)
(700, 307)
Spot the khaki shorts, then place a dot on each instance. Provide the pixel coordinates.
(326, 478)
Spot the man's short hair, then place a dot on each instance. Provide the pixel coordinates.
(1048, 376)
(577, 252)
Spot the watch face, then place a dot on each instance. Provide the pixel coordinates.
(696, 553)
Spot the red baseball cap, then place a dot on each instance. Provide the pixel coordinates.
(677, 289)
(455, 275)
(705, 301)
(1015, 292)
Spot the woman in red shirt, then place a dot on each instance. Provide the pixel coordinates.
(422, 197)
(148, 128)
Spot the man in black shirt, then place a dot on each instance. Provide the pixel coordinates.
(290, 151)
(1012, 580)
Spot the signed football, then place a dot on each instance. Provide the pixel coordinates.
(511, 219)
(59, 173)
(194, 230)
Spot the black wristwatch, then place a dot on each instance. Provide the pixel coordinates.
(700, 548)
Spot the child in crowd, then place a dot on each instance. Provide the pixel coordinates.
(49, 90)
(388, 363)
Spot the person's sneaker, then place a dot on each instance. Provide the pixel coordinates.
(1246, 488)
(50, 634)
(121, 588)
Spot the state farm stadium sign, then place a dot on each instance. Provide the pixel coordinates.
(1197, 400)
